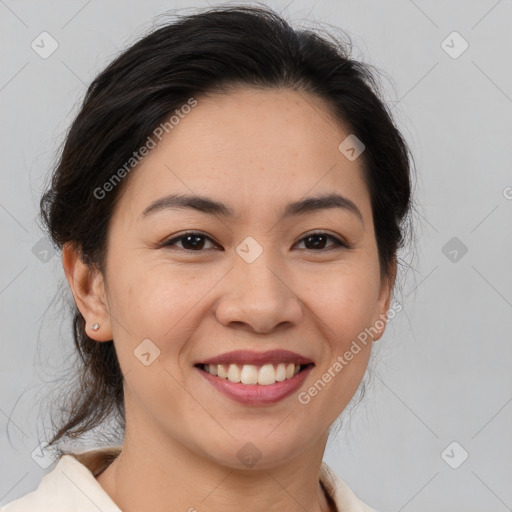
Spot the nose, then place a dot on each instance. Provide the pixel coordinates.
(258, 297)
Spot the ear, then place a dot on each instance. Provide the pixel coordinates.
(88, 287)
(384, 301)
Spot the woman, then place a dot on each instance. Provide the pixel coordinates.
(229, 203)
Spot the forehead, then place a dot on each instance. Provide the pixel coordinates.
(250, 146)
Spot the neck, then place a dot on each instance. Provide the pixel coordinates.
(145, 478)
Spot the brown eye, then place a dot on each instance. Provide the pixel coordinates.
(190, 241)
(195, 242)
(318, 241)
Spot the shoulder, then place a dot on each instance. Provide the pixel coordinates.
(69, 487)
(344, 498)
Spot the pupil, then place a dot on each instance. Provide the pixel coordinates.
(195, 245)
(316, 245)
(197, 241)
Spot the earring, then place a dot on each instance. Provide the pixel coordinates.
(95, 327)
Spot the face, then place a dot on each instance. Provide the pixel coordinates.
(184, 284)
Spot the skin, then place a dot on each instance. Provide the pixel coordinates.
(255, 151)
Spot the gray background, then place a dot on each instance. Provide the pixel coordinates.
(442, 370)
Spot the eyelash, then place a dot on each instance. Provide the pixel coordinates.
(338, 243)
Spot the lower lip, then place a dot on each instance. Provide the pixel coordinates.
(256, 394)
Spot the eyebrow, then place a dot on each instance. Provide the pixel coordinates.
(210, 206)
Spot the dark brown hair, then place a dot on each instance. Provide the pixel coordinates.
(210, 51)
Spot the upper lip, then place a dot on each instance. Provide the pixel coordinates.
(257, 358)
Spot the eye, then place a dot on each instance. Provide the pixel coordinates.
(317, 241)
(190, 241)
(195, 242)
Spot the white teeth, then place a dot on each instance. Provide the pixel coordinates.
(281, 372)
(266, 375)
(222, 371)
(251, 374)
(234, 373)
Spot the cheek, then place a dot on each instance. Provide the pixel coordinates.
(152, 298)
(344, 301)
(165, 305)
(151, 306)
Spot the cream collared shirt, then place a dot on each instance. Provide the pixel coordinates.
(71, 486)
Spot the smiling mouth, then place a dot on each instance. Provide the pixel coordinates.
(249, 374)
